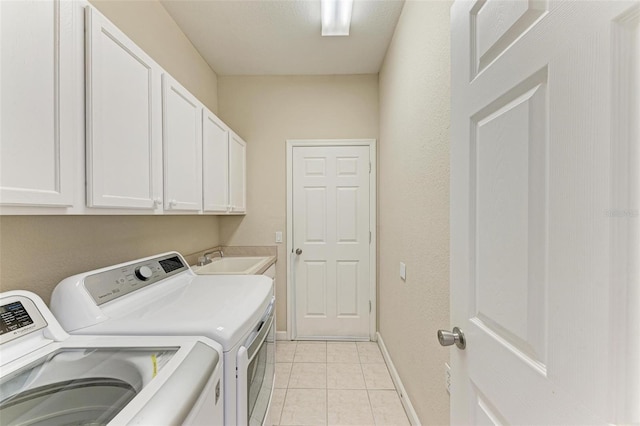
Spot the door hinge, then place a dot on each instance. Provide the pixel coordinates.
(369, 166)
(369, 237)
(369, 306)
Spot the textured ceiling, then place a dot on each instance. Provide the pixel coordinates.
(283, 36)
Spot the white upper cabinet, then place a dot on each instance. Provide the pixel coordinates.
(182, 147)
(224, 167)
(124, 144)
(90, 124)
(237, 174)
(38, 120)
(215, 163)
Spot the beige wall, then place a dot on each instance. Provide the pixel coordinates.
(36, 252)
(151, 27)
(268, 110)
(414, 203)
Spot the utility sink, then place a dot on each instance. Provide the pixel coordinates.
(233, 266)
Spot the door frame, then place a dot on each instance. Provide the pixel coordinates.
(371, 143)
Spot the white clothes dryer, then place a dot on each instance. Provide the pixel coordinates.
(161, 295)
(50, 378)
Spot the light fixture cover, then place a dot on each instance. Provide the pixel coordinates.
(336, 17)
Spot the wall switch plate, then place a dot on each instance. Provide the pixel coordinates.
(447, 378)
(278, 236)
(403, 271)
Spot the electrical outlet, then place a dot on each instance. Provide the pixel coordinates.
(403, 271)
(447, 378)
(278, 236)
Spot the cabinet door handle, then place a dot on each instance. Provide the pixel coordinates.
(173, 203)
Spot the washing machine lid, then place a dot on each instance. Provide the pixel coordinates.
(78, 386)
(48, 377)
(222, 307)
(101, 379)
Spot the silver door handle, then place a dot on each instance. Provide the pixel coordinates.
(298, 252)
(448, 338)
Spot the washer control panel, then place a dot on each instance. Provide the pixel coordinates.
(19, 316)
(109, 285)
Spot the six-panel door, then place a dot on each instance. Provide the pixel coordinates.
(544, 144)
(331, 227)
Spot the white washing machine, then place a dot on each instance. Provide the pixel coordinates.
(161, 295)
(50, 378)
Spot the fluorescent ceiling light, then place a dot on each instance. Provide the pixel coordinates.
(336, 17)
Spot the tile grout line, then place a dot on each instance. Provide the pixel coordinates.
(326, 399)
(366, 387)
(286, 389)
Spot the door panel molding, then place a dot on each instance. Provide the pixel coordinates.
(317, 169)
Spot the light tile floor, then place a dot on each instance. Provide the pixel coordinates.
(333, 383)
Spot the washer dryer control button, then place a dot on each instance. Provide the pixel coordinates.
(143, 273)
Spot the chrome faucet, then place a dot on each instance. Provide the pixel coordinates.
(205, 259)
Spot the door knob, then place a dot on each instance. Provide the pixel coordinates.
(448, 338)
(298, 252)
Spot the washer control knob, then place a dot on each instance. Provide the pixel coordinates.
(144, 273)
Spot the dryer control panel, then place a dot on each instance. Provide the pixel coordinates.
(109, 285)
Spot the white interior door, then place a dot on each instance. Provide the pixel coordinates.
(544, 212)
(331, 224)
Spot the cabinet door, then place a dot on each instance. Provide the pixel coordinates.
(38, 120)
(237, 174)
(182, 147)
(124, 145)
(215, 163)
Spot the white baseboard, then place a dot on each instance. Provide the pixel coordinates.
(282, 335)
(404, 398)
